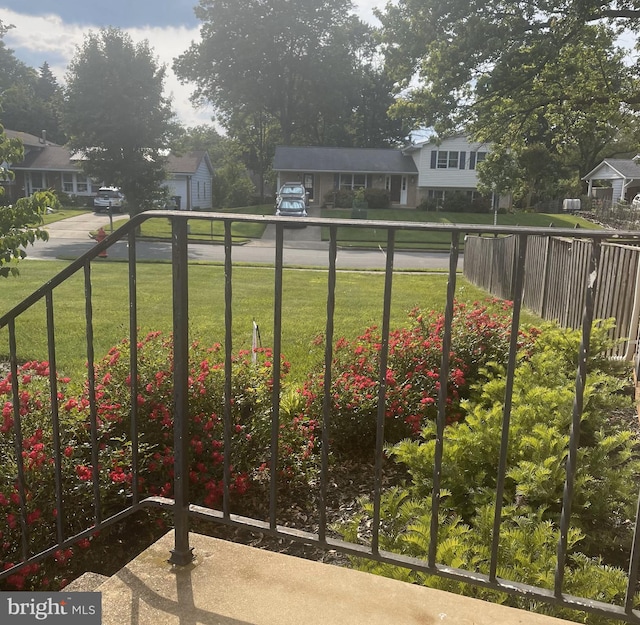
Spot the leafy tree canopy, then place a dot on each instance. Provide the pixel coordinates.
(116, 115)
(294, 68)
(535, 77)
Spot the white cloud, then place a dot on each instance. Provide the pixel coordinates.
(36, 39)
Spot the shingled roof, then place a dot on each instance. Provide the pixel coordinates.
(336, 160)
(187, 163)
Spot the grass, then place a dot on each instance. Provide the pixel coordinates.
(358, 304)
(64, 213)
(365, 237)
(201, 230)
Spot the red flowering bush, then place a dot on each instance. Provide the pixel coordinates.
(251, 416)
(480, 334)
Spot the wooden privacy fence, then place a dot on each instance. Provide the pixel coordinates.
(555, 279)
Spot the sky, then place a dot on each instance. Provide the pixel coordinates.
(50, 31)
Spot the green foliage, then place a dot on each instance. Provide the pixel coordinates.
(232, 186)
(377, 198)
(340, 198)
(480, 336)
(19, 222)
(527, 552)
(539, 433)
(518, 74)
(294, 72)
(249, 452)
(116, 114)
(605, 491)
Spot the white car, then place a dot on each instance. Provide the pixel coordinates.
(635, 203)
(108, 197)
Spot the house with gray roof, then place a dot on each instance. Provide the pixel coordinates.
(615, 179)
(47, 165)
(429, 170)
(323, 169)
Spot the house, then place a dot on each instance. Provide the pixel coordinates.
(449, 166)
(47, 165)
(190, 180)
(323, 169)
(622, 178)
(422, 171)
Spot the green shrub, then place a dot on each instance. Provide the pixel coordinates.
(605, 489)
(429, 204)
(377, 198)
(340, 198)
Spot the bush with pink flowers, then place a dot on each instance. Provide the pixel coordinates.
(480, 335)
(250, 431)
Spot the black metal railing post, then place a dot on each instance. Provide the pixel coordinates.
(181, 554)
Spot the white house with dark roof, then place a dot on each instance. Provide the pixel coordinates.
(427, 170)
(190, 180)
(623, 174)
(47, 165)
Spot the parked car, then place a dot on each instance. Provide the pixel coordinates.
(109, 196)
(292, 191)
(635, 203)
(294, 207)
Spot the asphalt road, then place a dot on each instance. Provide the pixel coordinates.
(69, 239)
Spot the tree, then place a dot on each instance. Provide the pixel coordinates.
(19, 222)
(516, 73)
(293, 71)
(116, 115)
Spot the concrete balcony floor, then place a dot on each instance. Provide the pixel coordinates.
(232, 584)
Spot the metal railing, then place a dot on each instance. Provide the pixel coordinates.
(184, 510)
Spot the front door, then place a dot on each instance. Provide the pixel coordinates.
(394, 186)
(308, 185)
(403, 191)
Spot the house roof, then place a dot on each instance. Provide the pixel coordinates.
(27, 139)
(188, 163)
(49, 158)
(336, 160)
(627, 168)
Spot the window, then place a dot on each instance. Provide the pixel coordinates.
(476, 157)
(38, 181)
(82, 183)
(448, 159)
(67, 183)
(353, 181)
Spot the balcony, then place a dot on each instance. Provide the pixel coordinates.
(150, 588)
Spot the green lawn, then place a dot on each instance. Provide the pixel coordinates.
(201, 230)
(363, 237)
(64, 213)
(359, 304)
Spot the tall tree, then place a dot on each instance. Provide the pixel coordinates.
(293, 63)
(518, 73)
(117, 116)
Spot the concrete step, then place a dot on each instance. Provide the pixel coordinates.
(231, 584)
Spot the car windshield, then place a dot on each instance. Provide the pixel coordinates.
(292, 204)
(292, 190)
